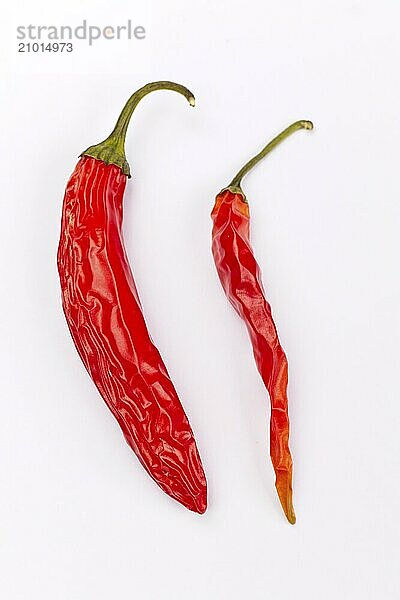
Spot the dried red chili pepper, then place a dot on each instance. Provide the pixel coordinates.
(240, 277)
(105, 318)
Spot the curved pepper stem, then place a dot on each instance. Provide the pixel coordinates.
(237, 180)
(112, 149)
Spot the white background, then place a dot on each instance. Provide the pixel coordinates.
(79, 517)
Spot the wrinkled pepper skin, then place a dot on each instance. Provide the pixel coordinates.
(240, 277)
(105, 318)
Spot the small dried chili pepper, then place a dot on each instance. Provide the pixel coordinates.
(240, 277)
(105, 318)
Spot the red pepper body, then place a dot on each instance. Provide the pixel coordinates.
(240, 277)
(105, 318)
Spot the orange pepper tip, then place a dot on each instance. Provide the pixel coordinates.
(283, 486)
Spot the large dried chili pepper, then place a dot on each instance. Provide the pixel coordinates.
(240, 277)
(105, 318)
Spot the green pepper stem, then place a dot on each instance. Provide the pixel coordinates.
(236, 181)
(112, 149)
